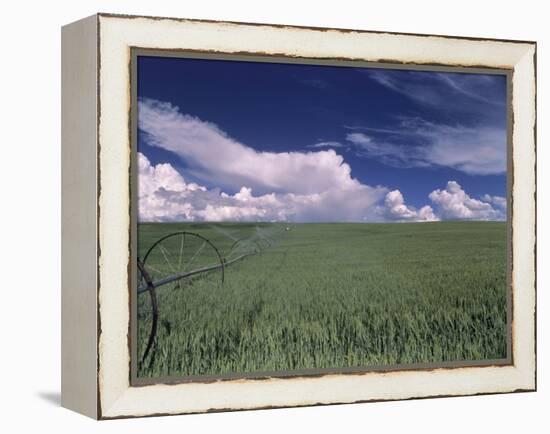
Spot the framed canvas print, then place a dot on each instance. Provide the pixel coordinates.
(261, 216)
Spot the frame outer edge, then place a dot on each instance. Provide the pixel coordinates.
(115, 409)
(79, 217)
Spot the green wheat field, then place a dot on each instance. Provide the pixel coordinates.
(318, 296)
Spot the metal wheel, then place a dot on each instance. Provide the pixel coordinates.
(172, 262)
(181, 253)
(240, 248)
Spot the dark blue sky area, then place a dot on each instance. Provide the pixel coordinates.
(408, 116)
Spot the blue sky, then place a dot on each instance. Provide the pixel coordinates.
(393, 130)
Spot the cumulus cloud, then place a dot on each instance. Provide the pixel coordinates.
(395, 209)
(267, 186)
(472, 150)
(221, 160)
(453, 203)
(164, 195)
(498, 202)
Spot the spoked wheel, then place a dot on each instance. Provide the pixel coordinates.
(173, 262)
(179, 254)
(241, 247)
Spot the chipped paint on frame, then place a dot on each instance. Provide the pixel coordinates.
(116, 396)
(132, 131)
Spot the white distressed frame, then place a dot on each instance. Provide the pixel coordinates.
(116, 398)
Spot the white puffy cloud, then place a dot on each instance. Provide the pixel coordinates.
(498, 202)
(426, 214)
(221, 160)
(293, 186)
(155, 185)
(161, 176)
(164, 195)
(395, 209)
(453, 203)
(300, 186)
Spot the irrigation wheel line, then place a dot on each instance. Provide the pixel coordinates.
(165, 262)
(184, 237)
(154, 305)
(155, 276)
